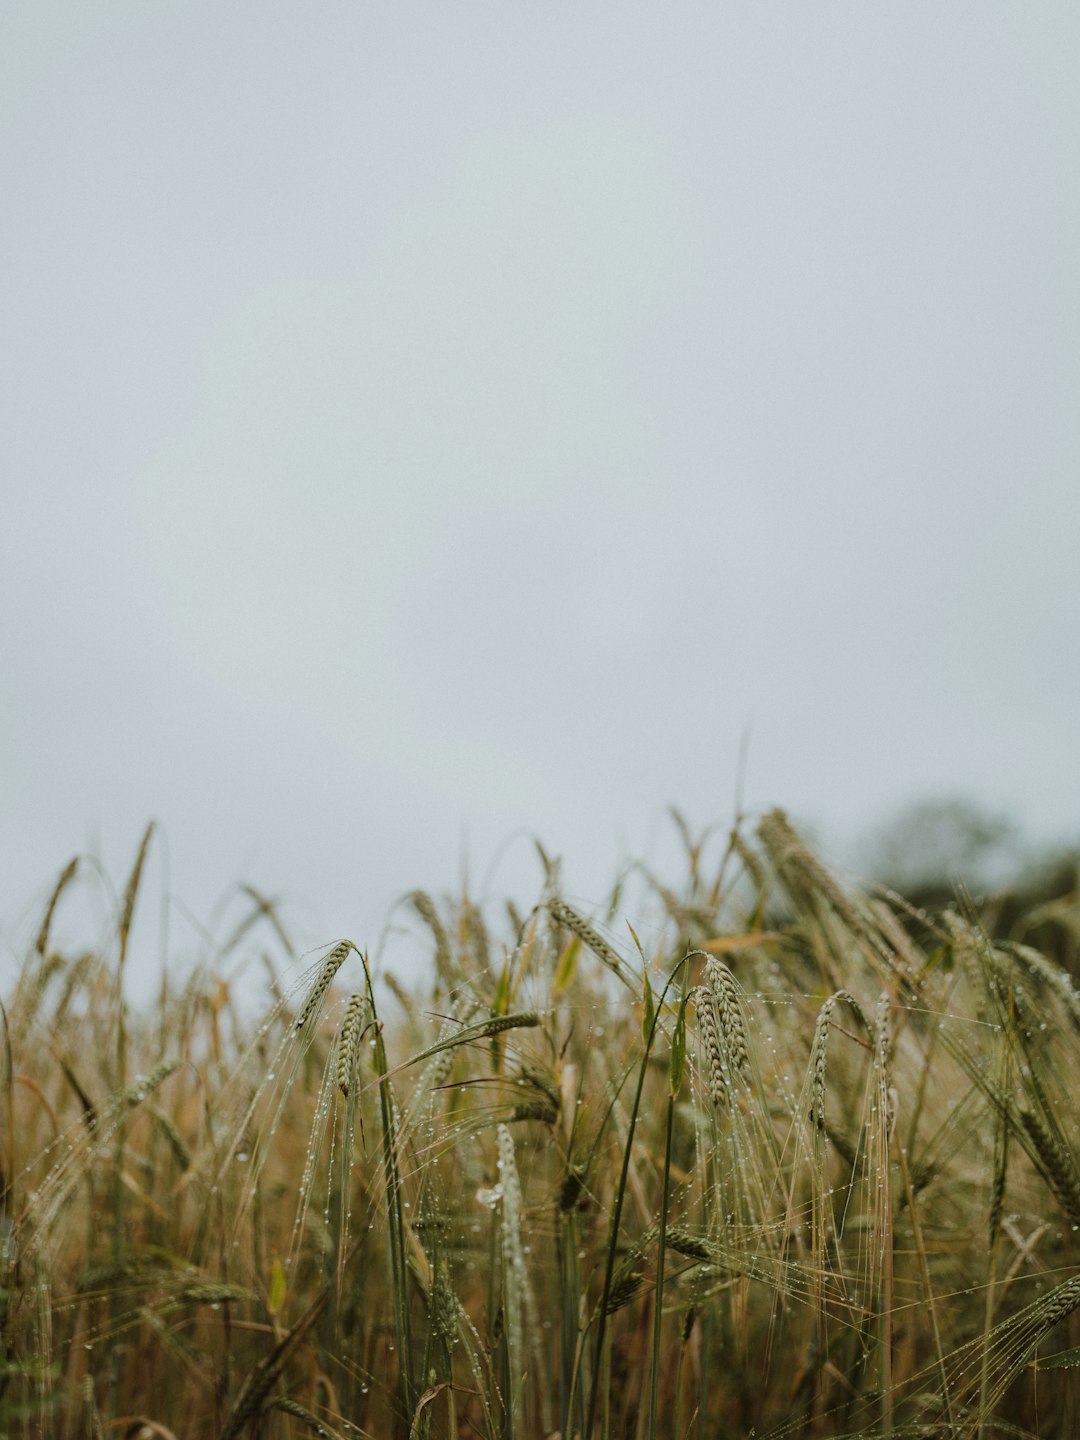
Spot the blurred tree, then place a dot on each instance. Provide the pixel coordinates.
(933, 844)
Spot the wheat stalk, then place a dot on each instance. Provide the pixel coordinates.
(588, 935)
(331, 964)
(288, 1406)
(513, 1255)
(802, 872)
(750, 859)
(1057, 1163)
(819, 1050)
(349, 1037)
(725, 992)
(712, 1045)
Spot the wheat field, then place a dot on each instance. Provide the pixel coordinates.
(793, 1159)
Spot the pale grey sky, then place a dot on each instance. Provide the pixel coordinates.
(420, 423)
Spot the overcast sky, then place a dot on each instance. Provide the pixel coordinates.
(424, 425)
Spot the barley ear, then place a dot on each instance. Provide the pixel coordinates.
(327, 970)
